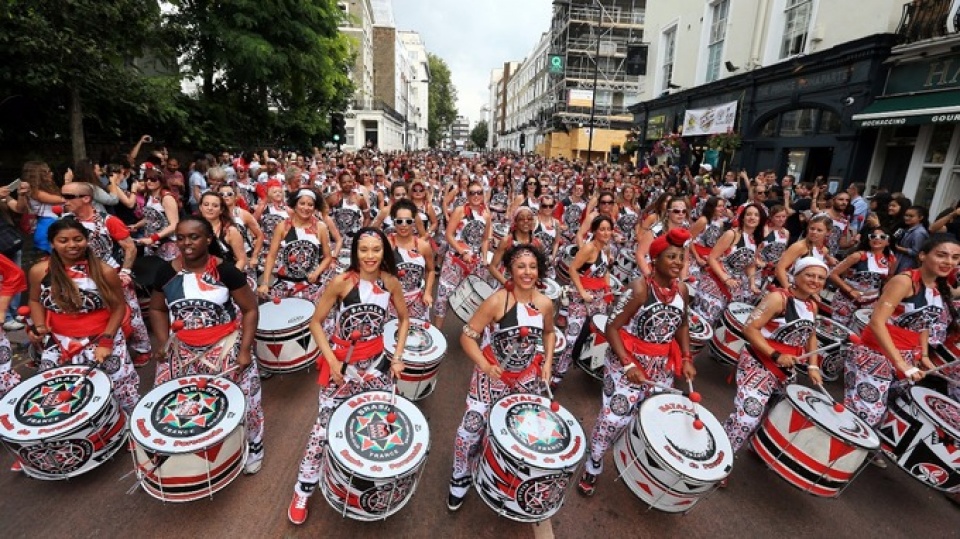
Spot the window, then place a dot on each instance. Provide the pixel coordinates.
(802, 123)
(718, 33)
(669, 43)
(796, 23)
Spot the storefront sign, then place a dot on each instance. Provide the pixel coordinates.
(937, 73)
(811, 82)
(655, 127)
(719, 119)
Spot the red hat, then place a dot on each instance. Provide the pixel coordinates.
(678, 237)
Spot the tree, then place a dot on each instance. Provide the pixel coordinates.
(274, 70)
(72, 60)
(479, 134)
(442, 109)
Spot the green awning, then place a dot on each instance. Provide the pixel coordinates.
(917, 109)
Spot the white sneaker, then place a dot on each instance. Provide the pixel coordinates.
(12, 325)
(252, 466)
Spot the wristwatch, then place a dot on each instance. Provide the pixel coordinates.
(775, 355)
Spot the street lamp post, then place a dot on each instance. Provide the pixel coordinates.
(596, 74)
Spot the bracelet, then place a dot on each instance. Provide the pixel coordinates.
(126, 271)
(628, 366)
(910, 372)
(105, 341)
(470, 332)
(813, 368)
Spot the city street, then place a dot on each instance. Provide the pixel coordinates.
(757, 503)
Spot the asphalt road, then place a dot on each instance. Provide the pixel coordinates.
(757, 503)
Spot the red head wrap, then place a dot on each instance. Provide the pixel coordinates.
(678, 237)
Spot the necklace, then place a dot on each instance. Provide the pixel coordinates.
(665, 294)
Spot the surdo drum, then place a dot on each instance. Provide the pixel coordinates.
(552, 290)
(189, 437)
(728, 338)
(424, 349)
(593, 351)
(665, 460)
(58, 429)
(468, 296)
(700, 332)
(921, 434)
(625, 267)
(343, 261)
(284, 342)
(529, 457)
(830, 332)
(371, 466)
(499, 231)
(564, 260)
(826, 301)
(811, 445)
(860, 320)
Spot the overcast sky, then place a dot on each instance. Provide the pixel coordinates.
(474, 38)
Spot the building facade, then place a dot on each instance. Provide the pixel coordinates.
(790, 74)
(916, 118)
(527, 100)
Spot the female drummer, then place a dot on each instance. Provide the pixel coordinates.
(219, 312)
(352, 357)
(228, 235)
(706, 231)
(649, 341)
(529, 197)
(861, 275)
(468, 235)
(77, 307)
(590, 294)
(160, 216)
(547, 227)
(244, 221)
(776, 240)
(300, 250)
(500, 197)
(895, 342)
(674, 217)
(270, 212)
(414, 257)
(814, 244)
(512, 322)
(521, 232)
(13, 283)
(780, 330)
(733, 264)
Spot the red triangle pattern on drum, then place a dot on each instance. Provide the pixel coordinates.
(730, 337)
(798, 422)
(644, 487)
(896, 427)
(839, 449)
(211, 453)
(275, 349)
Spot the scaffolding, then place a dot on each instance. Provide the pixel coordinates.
(594, 36)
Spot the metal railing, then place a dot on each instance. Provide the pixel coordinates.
(611, 15)
(923, 19)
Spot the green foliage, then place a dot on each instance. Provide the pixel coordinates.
(442, 110)
(479, 134)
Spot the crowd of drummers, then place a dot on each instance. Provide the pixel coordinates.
(193, 251)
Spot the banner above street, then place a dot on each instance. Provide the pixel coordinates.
(710, 121)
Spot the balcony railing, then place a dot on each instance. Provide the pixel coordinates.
(923, 19)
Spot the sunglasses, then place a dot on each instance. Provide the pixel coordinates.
(761, 192)
(878, 237)
(547, 205)
(403, 222)
(70, 196)
(474, 193)
(677, 211)
(227, 193)
(153, 179)
(531, 183)
(606, 202)
(418, 189)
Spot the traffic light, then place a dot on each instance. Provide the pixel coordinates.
(637, 59)
(338, 128)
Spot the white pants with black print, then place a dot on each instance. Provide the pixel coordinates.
(755, 387)
(620, 402)
(867, 381)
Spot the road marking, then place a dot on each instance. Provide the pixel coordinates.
(543, 530)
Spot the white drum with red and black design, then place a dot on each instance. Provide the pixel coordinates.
(371, 466)
(826, 301)
(700, 332)
(921, 434)
(665, 460)
(467, 297)
(343, 261)
(811, 445)
(860, 320)
(593, 351)
(552, 290)
(498, 232)
(189, 437)
(62, 423)
(830, 332)
(625, 266)
(284, 342)
(529, 457)
(564, 260)
(423, 352)
(559, 345)
(728, 338)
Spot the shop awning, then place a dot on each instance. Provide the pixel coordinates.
(918, 109)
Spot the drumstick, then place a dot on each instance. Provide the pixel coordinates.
(554, 405)
(853, 337)
(392, 414)
(354, 337)
(662, 387)
(202, 383)
(68, 393)
(837, 407)
(695, 399)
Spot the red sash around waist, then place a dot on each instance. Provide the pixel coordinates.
(594, 283)
(720, 285)
(702, 250)
(78, 325)
(207, 336)
(511, 378)
(636, 346)
(770, 364)
(362, 351)
(903, 339)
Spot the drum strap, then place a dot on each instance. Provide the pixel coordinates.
(226, 342)
(362, 351)
(638, 347)
(512, 378)
(720, 284)
(770, 364)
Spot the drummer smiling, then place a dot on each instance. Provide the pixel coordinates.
(649, 342)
